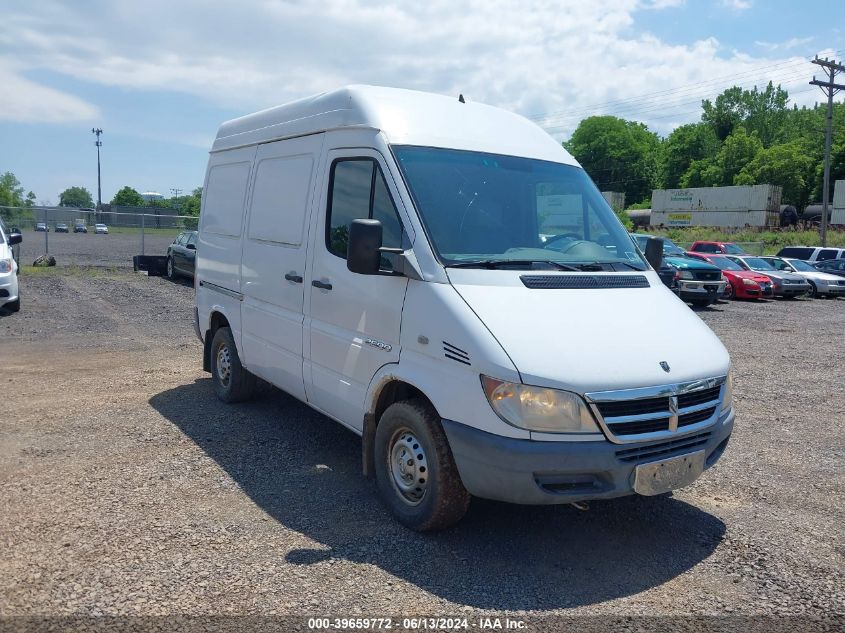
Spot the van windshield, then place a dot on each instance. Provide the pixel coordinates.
(482, 209)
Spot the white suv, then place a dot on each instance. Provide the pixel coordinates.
(812, 254)
(9, 296)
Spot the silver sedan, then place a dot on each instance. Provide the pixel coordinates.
(822, 284)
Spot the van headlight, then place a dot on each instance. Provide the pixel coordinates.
(537, 408)
(728, 400)
(5, 265)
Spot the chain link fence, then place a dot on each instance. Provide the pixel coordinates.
(73, 237)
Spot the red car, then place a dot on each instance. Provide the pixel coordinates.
(742, 284)
(717, 247)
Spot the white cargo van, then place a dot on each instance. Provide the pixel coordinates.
(443, 278)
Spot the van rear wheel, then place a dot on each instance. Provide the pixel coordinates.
(232, 383)
(415, 472)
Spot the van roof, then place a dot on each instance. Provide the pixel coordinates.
(403, 116)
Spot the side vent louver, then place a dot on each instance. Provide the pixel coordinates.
(455, 353)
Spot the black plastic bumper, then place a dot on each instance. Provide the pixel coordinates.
(537, 473)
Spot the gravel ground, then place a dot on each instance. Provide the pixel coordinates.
(89, 249)
(126, 488)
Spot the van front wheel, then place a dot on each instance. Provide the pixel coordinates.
(232, 383)
(415, 472)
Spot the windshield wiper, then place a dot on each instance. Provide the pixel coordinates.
(593, 265)
(493, 264)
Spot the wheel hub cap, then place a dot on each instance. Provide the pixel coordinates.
(224, 364)
(408, 467)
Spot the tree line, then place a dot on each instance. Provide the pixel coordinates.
(12, 195)
(743, 137)
(187, 205)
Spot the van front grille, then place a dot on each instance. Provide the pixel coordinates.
(663, 449)
(695, 418)
(697, 397)
(633, 407)
(633, 428)
(644, 416)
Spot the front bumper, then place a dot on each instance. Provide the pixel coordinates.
(542, 473)
(8, 287)
(831, 290)
(792, 290)
(763, 290)
(696, 290)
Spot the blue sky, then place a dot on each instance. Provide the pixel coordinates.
(159, 77)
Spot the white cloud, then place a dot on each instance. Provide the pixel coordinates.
(551, 57)
(661, 4)
(788, 45)
(737, 5)
(26, 101)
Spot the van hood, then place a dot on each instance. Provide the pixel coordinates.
(587, 340)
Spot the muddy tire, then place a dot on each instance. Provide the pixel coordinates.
(232, 383)
(415, 471)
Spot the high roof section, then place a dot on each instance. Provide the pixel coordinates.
(404, 117)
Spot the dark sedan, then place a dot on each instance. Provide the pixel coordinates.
(182, 255)
(832, 266)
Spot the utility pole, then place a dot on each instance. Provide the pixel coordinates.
(175, 193)
(829, 88)
(99, 144)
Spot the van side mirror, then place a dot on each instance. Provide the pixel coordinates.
(654, 252)
(191, 247)
(362, 252)
(15, 238)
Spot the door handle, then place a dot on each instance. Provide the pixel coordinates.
(321, 284)
(294, 278)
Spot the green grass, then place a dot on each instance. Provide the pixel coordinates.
(771, 241)
(73, 271)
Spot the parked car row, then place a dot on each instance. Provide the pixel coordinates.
(78, 227)
(744, 276)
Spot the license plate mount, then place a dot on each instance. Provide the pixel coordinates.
(656, 478)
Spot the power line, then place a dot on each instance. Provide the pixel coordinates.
(680, 90)
(669, 115)
(785, 82)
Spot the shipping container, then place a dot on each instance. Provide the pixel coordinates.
(616, 199)
(746, 205)
(838, 215)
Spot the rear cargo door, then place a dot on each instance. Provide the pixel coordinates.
(273, 260)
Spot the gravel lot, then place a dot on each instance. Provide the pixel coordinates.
(126, 488)
(88, 249)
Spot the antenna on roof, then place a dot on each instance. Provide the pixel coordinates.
(461, 99)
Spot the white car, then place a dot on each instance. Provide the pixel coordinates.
(9, 296)
(101, 228)
(379, 254)
(823, 284)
